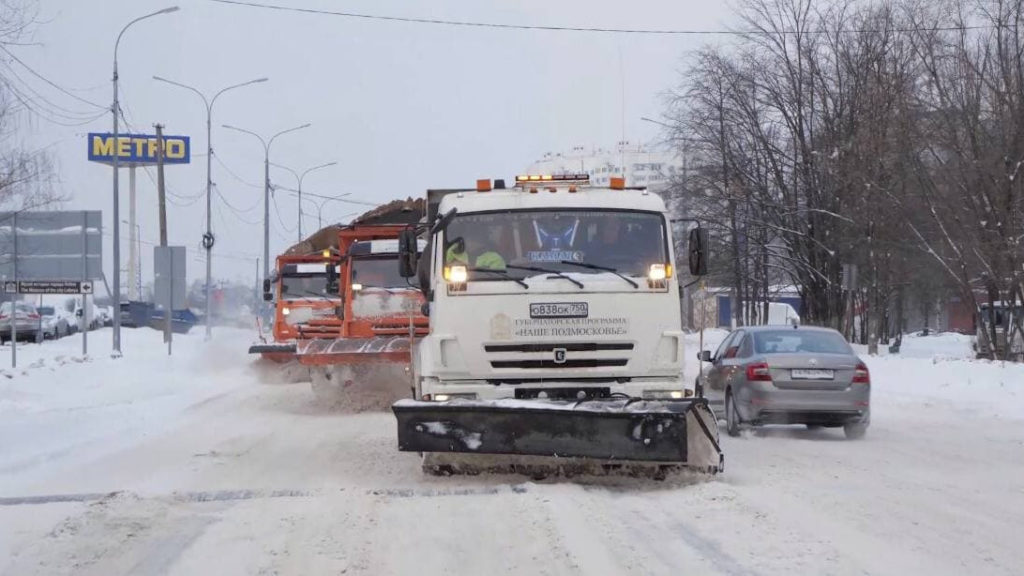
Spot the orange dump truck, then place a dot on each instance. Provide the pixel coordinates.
(305, 291)
(365, 366)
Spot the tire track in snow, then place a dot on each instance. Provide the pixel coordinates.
(603, 533)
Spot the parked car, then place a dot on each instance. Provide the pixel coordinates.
(799, 375)
(105, 315)
(54, 322)
(25, 318)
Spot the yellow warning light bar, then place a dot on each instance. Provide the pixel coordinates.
(581, 177)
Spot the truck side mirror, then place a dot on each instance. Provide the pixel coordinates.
(407, 253)
(332, 278)
(267, 294)
(704, 356)
(698, 251)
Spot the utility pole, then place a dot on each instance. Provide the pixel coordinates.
(162, 195)
(161, 192)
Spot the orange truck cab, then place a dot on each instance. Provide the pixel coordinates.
(306, 295)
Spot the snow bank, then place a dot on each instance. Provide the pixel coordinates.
(60, 406)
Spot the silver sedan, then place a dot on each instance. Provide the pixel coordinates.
(788, 375)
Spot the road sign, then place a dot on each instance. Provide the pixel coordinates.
(49, 287)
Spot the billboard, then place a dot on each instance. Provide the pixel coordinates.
(137, 149)
(54, 245)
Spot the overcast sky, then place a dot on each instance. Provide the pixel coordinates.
(401, 107)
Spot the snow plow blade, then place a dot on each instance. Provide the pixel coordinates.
(273, 348)
(589, 436)
(358, 374)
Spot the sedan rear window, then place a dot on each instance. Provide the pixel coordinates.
(790, 341)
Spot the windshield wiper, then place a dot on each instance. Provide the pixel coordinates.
(504, 272)
(602, 268)
(547, 270)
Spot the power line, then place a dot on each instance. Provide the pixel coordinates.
(232, 172)
(338, 199)
(277, 211)
(48, 81)
(589, 29)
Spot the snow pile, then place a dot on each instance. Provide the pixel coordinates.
(73, 406)
(992, 388)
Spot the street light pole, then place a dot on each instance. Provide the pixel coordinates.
(114, 110)
(266, 187)
(208, 236)
(299, 177)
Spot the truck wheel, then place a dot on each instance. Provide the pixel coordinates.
(732, 417)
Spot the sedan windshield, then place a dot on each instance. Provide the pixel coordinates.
(796, 341)
(624, 241)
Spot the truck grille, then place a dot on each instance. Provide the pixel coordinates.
(568, 347)
(558, 355)
(573, 363)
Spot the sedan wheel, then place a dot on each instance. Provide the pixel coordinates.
(855, 431)
(732, 418)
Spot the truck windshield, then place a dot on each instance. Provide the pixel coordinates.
(299, 286)
(377, 272)
(626, 241)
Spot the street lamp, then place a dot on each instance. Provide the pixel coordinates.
(208, 237)
(325, 200)
(266, 187)
(138, 250)
(114, 110)
(299, 177)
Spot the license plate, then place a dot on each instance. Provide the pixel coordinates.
(559, 310)
(811, 374)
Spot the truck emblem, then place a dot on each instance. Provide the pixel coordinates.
(501, 327)
(559, 355)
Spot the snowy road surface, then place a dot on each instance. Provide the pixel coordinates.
(209, 464)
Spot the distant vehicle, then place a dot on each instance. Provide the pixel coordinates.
(105, 315)
(779, 313)
(1002, 318)
(799, 375)
(25, 319)
(86, 318)
(53, 322)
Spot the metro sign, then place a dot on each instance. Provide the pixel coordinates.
(137, 149)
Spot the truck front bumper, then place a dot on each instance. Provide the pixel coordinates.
(654, 388)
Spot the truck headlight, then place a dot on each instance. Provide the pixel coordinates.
(456, 277)
(286, 311)
(667, 394)
(447, 397)
(457, 274)
(657, 272)
(658, 275)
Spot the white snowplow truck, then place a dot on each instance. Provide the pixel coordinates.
(555, 343)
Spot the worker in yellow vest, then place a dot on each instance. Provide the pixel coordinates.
(458, 253)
